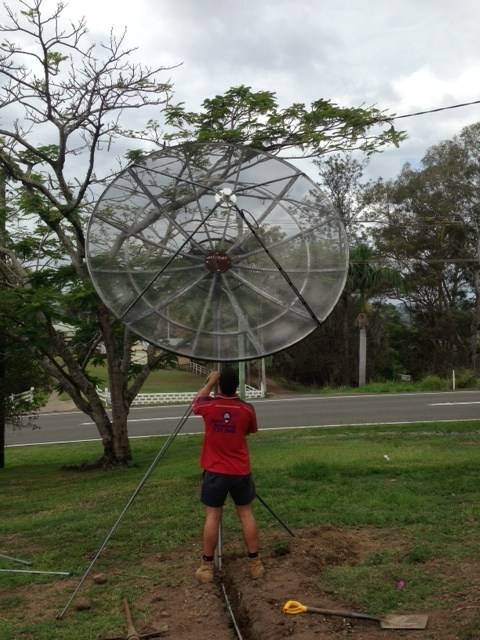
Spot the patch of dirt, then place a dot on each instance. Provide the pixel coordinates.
(56, 404)
(293, 568)
(184, 610)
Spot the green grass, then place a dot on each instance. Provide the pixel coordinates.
(465, 379)
(389, 386)
(160, 381)
(426, 496)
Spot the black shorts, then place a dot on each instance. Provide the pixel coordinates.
(216, 487)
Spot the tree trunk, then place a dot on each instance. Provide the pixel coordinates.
(120, 410)
(119, 452)
(86, 399)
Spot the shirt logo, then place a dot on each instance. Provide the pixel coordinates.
(226, 417)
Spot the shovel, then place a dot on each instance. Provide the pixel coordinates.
(411, 621)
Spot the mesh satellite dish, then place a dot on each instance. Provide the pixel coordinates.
(217, 252)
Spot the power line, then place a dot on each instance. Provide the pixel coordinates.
(389, 261)
(421, 113)
(417, 222)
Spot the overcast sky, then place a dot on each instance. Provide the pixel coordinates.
(401, 56)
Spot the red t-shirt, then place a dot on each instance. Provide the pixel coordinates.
(228, 420)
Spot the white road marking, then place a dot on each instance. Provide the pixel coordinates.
(290, 399)
(445, 404)
(308, 426)
(91, 424)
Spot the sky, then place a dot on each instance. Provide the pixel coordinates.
(404, 57)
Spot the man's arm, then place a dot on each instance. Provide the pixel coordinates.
(207, 388)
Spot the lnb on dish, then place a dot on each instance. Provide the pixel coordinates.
(225, 198)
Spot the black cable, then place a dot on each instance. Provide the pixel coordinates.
(421, 113)
(423, 260)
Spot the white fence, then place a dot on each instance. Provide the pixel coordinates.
(143, 399)
(25, 396)
(198, 369)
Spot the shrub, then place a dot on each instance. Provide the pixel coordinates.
(466, 379)
(433, 383)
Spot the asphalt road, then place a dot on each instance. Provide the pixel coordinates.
(298, 411)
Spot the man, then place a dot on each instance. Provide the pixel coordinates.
(225, 462)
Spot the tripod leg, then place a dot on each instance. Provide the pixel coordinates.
(149, 471)
(275, 515)
(218, 559)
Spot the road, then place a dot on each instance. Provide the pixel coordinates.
(287, 412)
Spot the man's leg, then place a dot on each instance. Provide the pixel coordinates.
(213, 516)
(249, 527)
(250, 535)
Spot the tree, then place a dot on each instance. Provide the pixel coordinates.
(15, 377)
(69, 105)
(430, 235)
(66, 101)
(458, 160)
(255, 118)
(341, 179)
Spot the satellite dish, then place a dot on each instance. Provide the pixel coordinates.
(216, 251)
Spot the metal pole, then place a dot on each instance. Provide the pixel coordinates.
(149, 471)
(280, 268)
(14, 559)
(241, 380)
(263, 382)
(275, 516)
(48, 573)
(219, 548)
(218, 555)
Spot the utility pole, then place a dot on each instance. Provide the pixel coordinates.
(362, 323)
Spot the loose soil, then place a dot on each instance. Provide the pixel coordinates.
(184, 610)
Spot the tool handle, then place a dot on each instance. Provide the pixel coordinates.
(294, 607)
(132, 633)
(342, 613)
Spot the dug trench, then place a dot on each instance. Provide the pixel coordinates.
(294, 568)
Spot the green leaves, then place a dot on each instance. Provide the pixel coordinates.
(37, 155)
(255, 118)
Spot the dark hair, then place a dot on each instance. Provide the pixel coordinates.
(228, 381)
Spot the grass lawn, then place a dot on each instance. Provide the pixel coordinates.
(160, 381)
(377, 387)
(426, 492)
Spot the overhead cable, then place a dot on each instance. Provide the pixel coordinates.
(421, 113)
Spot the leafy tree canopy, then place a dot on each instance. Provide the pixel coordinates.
(255, 118)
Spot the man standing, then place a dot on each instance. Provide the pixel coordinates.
(226, 466)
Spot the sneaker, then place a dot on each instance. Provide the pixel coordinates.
(256, 568)
(204, 573)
